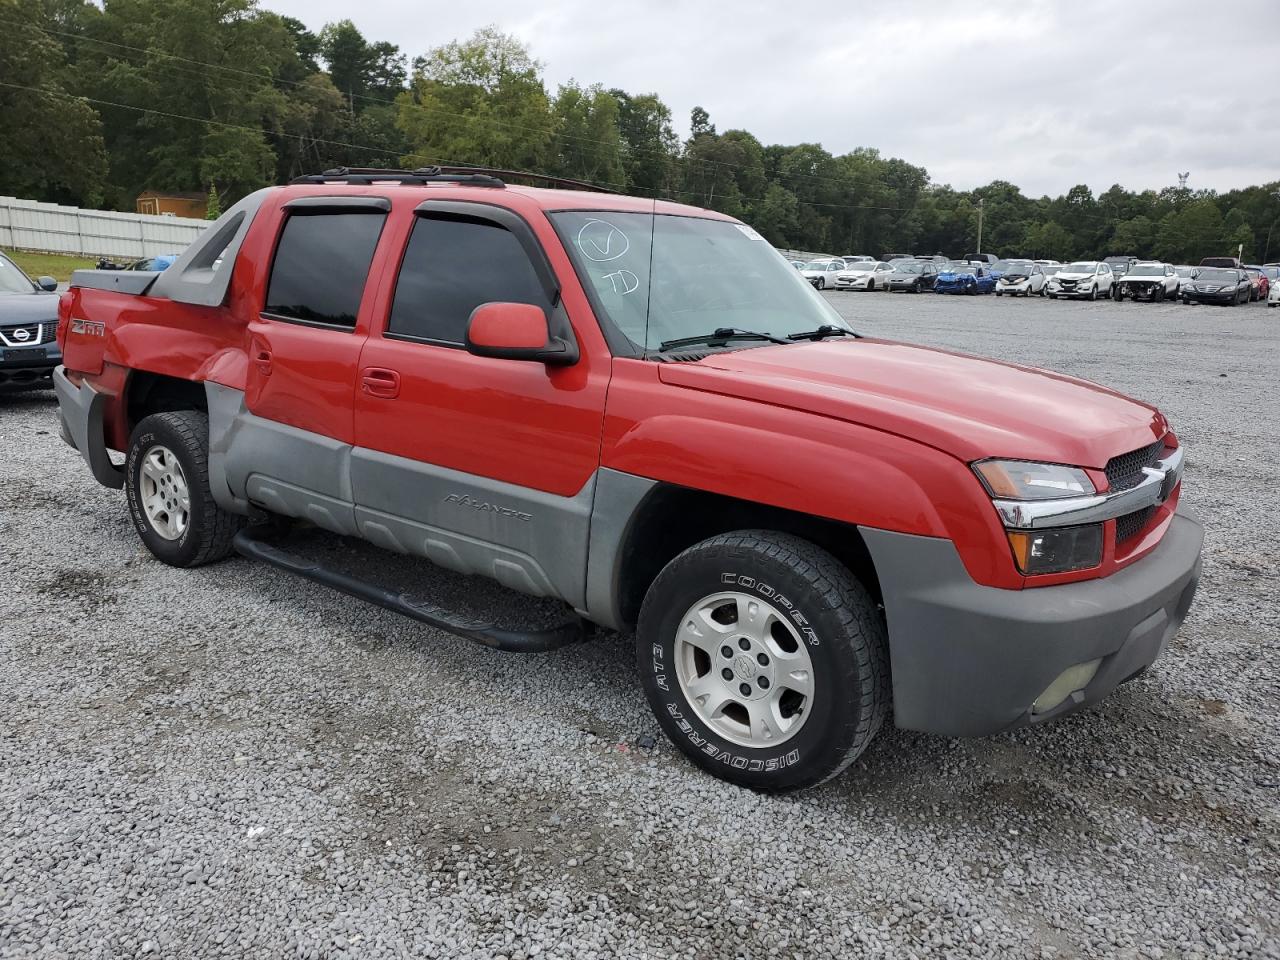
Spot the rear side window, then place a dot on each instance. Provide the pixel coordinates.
(452, 265)
(320, 267)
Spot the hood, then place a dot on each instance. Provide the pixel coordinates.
(1064, 275)
(28, 308)
(1014, 277)
(966, 406)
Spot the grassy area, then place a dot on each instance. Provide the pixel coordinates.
(54, 265)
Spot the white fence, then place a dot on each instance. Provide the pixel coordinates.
(50, 228)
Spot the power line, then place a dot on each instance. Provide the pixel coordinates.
(866, 178)
(377, 151)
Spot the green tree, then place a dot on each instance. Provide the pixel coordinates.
(53, 145)
(213, 207)
(360, 70)
(588, 143)
(650, 145)
(481, 102)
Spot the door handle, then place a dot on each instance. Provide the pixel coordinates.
(262, 360)
(380, 382)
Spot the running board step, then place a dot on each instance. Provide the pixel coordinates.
(252, 542)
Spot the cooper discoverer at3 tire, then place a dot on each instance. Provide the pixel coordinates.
(764, 659)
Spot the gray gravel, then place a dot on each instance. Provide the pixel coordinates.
(229, 762)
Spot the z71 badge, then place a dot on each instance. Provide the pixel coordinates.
(90, 328)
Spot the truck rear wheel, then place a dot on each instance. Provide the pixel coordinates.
(167, 479)
(764, 660)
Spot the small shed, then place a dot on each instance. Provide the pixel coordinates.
(192, 205)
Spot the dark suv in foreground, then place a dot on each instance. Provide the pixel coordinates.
(28, 323)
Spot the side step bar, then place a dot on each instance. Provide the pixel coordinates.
(252, 542)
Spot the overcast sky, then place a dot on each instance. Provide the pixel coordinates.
(1046, 95)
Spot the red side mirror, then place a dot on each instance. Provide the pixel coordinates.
(516, 331)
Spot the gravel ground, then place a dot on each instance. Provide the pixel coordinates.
(230, 762)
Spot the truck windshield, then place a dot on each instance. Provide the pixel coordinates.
(663, 278)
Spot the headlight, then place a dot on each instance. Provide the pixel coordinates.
(1057, 550)
(1050, 550)
(1023, 480)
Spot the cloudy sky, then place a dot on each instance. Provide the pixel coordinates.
(1046, 95)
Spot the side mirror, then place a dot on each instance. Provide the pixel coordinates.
(517, 331)
(48, 284)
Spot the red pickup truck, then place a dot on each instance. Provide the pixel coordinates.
(640, 409)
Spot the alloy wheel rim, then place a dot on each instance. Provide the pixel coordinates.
(162, 488)
(744, 669)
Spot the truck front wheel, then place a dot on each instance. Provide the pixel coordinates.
(764, 660)
(167, 479)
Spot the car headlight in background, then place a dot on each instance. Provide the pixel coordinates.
(1051, 549)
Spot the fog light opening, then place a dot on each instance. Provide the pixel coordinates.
(1068, 682)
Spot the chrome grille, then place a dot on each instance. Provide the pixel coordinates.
(1125, 471)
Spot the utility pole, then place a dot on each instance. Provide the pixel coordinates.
(980, 201)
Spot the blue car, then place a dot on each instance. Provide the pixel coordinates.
(964, 278)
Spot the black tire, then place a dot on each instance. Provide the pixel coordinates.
(210, 529)
(1118, 295)
(1093, 293)
(999, 294)
(1158, 295)
(871, 285)
(822, 283)
(846, 645)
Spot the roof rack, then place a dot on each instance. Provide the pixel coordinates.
(472, 176)
(368, 175)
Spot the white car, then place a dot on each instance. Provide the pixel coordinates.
(1185, 275)
(1149, 280)
(822, 273)
(851, 259)
(1019, 278)
(1273, 298)
(1049, 263)
(1088, 279)
(863, 275)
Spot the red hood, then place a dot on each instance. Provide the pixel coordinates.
(967, 406)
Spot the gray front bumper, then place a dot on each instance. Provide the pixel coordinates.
(969, 660)
(80, 409)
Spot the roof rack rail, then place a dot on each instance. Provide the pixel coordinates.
(473, 176)
(368, 175)
(530, 175)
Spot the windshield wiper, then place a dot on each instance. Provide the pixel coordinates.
(720, 335)
(826, 330)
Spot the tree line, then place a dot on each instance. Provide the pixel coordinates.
(222, 97)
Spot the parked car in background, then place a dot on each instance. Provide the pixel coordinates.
(1050, 270)
(970, 278)
(822, 273)
(850, 259)
(1049, 263)
(1119, 264)
(1019, 278)
(1149, 280)
(28, 324)
(864, 275)
(1231, 263)
(911, 276)
(1273, 298)
(986, 258)
(798, 264)
(1260, 281)
(154, 264)
(890, 257)
(1186, 273)
(1222, 285)
(1085, 279)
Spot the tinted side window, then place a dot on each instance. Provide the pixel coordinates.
(452, 265)
(320, 267)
